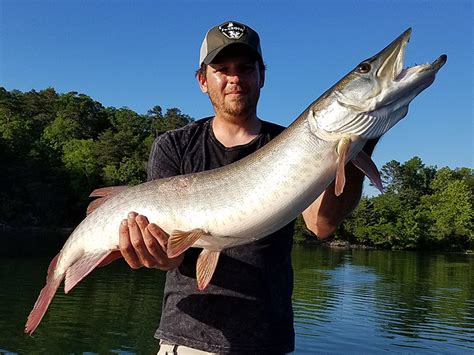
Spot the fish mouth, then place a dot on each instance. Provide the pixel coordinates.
(403, 84)
(417, 69)
(399, 85)
(391, 61)
(391, 57)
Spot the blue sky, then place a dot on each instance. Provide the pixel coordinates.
(144, 53)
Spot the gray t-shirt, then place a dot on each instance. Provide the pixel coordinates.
(246, 308)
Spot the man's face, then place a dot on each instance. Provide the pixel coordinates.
(233, 81)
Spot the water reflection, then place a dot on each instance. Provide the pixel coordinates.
(345, 301)
(115, 308)
(381, 300)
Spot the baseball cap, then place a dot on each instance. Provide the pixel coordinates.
(226, 34)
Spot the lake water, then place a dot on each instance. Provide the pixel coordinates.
(345, 301)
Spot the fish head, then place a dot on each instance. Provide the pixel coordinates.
(375, 95)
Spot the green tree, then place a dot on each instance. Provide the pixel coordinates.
(422, 207)
(128, 172)
(122, 150)
(392, 176)
(89, 113)
(77, 116)
(61, 131)
(410, 180)
(79, 157)
(172, 119)
(56, 148)
(450, 210)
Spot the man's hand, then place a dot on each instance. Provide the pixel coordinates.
(144, 244)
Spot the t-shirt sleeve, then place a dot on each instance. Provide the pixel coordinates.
(164, 160)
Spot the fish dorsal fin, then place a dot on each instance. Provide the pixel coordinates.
(108, 191)
(365, 164)
(104, 193)
(342, 149)
(180, 241)
(205, 267)
(95, 204)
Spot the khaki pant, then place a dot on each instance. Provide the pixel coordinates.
(166, 349)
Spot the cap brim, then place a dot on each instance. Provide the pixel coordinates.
(212, 55)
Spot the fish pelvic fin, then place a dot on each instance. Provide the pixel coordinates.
(342, 149)
(114, 255)
(205, 267)
(365, 164)
(180, 241)
(45, 297)
(84, 266)
(104, 193)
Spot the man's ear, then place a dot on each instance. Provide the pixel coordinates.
(202, 81)
(262, 78)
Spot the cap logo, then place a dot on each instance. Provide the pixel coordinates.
(232, 30)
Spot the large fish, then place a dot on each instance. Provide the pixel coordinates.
(251, 198)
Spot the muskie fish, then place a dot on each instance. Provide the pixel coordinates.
(254, 197)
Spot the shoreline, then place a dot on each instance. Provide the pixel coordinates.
(40, 241)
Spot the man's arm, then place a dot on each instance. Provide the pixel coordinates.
(325, 214)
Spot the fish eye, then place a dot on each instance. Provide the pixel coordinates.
(364, 67)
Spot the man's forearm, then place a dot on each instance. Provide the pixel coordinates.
(325, 214)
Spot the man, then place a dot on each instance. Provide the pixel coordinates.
(246, 308)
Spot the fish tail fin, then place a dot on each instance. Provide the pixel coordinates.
(74, 274)
(44, 299)
(85, 264)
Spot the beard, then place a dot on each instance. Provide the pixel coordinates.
(245, 105)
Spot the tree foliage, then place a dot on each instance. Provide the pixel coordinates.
(56, 148)
(423, 207)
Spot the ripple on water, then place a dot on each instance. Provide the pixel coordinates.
(352, 304)
(367, 302)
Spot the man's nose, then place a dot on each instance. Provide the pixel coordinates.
(234, 76)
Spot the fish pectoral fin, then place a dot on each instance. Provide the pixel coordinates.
(84, 266)
(365, 164)
(180, 241)
(104, 193)
(342, 149)
(205, 267)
